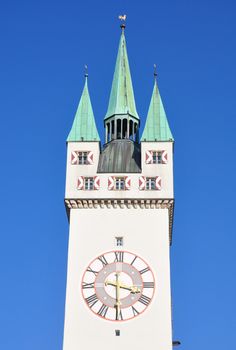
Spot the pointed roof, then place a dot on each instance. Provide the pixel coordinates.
(122, 96)
(156, 127)
(84, 126)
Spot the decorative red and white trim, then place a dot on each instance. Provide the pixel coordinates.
(90, 158)
(96, 182)
(142, 183)
(149, 156)
(80, 183)
(75, 157)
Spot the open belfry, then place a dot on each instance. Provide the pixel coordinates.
(119, 199)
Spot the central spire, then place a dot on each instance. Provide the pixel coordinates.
(122, 103)
(122, 96)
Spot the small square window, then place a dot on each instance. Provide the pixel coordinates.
(82, 157)
(117, 332)
(119, 241)
(150, 183)
(88, 183)
(119, 183)
(157, 157)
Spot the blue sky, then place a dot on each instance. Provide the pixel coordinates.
(44, 46)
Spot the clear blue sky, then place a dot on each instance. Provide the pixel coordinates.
(44, 46)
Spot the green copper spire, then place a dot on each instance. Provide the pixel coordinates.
(122, 95)
(156, 127)
(84, 127)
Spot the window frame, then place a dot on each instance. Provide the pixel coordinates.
(157, 157)
(120, 181)
(83, 156)
(89, 183)
(150, 183)
(119, 241)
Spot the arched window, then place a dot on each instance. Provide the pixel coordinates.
(125, 131)
(113, 130)
(118, 128)
(131, 130)
(108, 132)
(135, 131)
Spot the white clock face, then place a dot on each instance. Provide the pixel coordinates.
(118, 285)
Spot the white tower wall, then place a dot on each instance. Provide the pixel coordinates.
(93, 232)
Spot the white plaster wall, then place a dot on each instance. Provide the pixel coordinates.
(92, 232)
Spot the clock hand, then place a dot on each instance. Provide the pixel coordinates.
(118, 303)
(132, 289)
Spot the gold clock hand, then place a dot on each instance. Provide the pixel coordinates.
(118, 303)
(132, 289)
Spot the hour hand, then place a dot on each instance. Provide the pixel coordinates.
(132, 289)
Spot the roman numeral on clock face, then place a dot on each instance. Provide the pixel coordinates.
(91, 270)
(119, 316)
(92, 300)
(86, 285)
(133, 260)
(103, 310)
(103, 260)
(135, 312)
(144, 270)
(148, 284)
(119, 256)
(144, 300)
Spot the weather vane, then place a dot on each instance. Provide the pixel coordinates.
(122, 18)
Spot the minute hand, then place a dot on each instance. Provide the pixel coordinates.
(132, 289)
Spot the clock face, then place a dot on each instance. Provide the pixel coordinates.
(118, 285)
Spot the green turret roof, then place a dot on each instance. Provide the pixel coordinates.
(122, 96)
(156, 127)
(84, 126)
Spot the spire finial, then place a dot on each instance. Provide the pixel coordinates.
(86, 71)
(155, 71)
(122, 19)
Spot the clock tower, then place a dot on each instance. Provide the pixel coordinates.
(119, 200)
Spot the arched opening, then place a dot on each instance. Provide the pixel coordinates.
(118, 128)
(113, 130)
(108, 132)
(125, 131)
(135, 131)
(131, 130)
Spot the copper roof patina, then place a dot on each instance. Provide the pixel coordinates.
(84, 126)
(122, 96)
(156, 127)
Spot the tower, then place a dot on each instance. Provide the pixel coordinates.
(119, 200)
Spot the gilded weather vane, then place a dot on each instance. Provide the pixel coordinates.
(122, 18)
